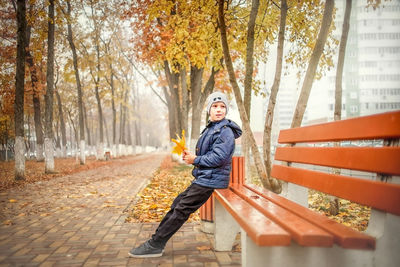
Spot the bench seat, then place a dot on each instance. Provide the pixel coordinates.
(261, 229)
(342, 235)
(301, 230)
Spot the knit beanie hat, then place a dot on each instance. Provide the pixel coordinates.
(217, 97)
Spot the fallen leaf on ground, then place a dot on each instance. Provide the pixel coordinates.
(7, 222)
(154, 201)
(350, 214)
(201, 248)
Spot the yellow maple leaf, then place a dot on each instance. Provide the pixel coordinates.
(180, 144)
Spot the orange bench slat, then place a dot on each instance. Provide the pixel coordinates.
(207, 210)
(372, 159)
(385, 126)
(302, 231)
(263, 231)
(379, 195)
(343, 235)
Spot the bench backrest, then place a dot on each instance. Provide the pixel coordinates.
(307, 146)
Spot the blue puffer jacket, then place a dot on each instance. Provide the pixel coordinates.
(214, 152)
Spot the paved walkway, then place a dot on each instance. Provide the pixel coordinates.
(78, 220)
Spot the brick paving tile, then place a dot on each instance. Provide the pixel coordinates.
(79, 220)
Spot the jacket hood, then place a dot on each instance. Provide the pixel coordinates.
(237, 132)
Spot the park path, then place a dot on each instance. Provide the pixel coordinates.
(79, 220)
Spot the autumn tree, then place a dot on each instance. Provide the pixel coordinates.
(34, 55)
(295, 55)
(110, 78)
(63, 141)
(49, 147)
(239, 100)
(274, 89)
(340, 63)
(99, 24)
(19, 91)
(313, 64)
(78, 82)
(180, 43)
(8, 41)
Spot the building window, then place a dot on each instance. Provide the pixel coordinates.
(353, 109)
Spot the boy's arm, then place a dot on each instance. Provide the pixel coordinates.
(220, 153)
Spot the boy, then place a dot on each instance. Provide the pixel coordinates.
(212, 165)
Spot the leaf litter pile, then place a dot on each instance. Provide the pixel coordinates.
(350, 214)
(154, 201)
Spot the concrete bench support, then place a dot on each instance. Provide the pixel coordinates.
(226, 228)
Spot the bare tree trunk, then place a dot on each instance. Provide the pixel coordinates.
(198, 99)
(28, 146)
(82, 158)
(63, 141)
(19, 92)
(342, 53)
(38, 126)
(334, 203)
(6, 141)
(49, 146)
(75, 132)
(269, 117)
(185, 101)
(106, 130)
(62, 125)
(173, 84)
(114, 112)
(122, 139)
(35, 98)
(271, 184)
(249, 68)
(195, 93)
(100, 145)
(96, 79)
(136, 114)
(86, 122)
(57, 138)
(313, 64)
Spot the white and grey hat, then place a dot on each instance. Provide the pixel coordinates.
(217, 97)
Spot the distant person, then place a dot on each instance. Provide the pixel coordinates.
(212, 166)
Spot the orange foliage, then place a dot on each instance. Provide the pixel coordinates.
(36, 18)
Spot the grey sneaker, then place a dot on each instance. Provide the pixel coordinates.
(146, 250)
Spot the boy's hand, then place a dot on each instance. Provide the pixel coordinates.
(188, 157)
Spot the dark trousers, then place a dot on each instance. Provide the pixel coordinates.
(184, 204)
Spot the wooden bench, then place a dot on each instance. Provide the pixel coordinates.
(280, 230)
